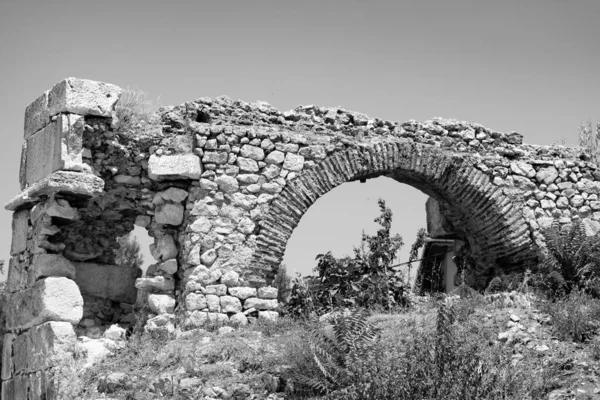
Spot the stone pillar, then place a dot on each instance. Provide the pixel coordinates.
(44, 302)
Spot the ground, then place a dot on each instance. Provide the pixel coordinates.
(258, 361)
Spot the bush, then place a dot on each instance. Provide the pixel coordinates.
(366, 280)
(446, 360)
(136, 114)
(575, 317)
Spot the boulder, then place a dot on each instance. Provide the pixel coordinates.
(50, 299)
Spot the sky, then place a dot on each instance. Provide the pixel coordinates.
(529, 66)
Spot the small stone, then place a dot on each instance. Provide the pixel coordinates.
(231, 304)
(227, 184)
(195, 301)
(115, 332)
(238, 319)
(293, 162)
(164, 248)
(252, 152)
(155, 284)
(267, 292)
(242, 292)
(169, 267)
(260, 304)
(514, 318)
(208, 257)
(247, 164)
(275, 157)
(169, 214)
(225, 330)
(161, 303)
(230, 278)
(268, 316)
(218, 290)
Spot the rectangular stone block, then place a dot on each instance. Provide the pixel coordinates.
(56, 147)
(17, 275)
(45, 265)
(107, 281)
(20, 227)
(50, 299)
(36, 115)
(42, 346)
(8, 369)
(43, 154)
(64, 182)
(84, 97)
(178, 166)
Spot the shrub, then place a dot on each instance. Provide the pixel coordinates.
(575, 317)
(571, 261)
(446, 360)
(365, 280)
(136, 113)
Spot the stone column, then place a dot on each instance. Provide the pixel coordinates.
(44, 302)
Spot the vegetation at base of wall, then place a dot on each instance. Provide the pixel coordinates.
(590, 140)
(365, 280)
(570, 262)
(283, 283)
(574, 317)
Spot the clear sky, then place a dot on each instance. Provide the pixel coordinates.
(526, 65)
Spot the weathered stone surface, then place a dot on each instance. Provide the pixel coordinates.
(169, 214)
(174, 167)
(293, 162)
(230, 278)
(227, 184)
(238, 319)
(230, 304)
(252, 152)
(45, 265)
(547, 175)
(42, 346)
(260, 304)
(66, 182)
(20, 227)
(208, 257)
(37, 115)
(82, 96)
(195, 301)
(203, 275)
(155, 284)
(213, 303)
(247, 164)
(268, 316)
(267, 292)
(50, 299)
(219, 290)
(164, 248)
(168, 267)
(115, 332)
(107, 281)
(275, 157)
(438, 225)
(242, 292)
(161, 303)
(172, 194)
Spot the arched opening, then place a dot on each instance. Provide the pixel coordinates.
(336, 221)
(487, 219)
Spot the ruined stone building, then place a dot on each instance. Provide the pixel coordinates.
(220, 185)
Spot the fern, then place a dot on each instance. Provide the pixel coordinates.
(353, 340)
(571, 260)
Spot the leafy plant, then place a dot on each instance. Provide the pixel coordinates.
(351, 342)
(367, 279)
(575, 317)
(414, 249)
(572, 260)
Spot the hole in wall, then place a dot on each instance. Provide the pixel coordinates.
(203, 116)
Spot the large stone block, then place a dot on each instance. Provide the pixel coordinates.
(83, 96)
(65, 182)
(43, 154)
(50, 299)
(45, 265)
(20, 226)
(107, 281)
(174, 167)
(36, 115)
(58, 146)
(42, 346)
(8, 368)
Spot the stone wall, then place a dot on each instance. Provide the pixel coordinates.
(220, 185)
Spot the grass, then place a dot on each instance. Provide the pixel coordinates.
(136, 114)
(442, 350)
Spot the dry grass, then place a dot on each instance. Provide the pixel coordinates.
(136, 113)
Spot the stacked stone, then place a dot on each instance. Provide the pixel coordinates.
(44, 302)
(217, 298)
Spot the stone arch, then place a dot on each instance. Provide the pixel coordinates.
(491, 221)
